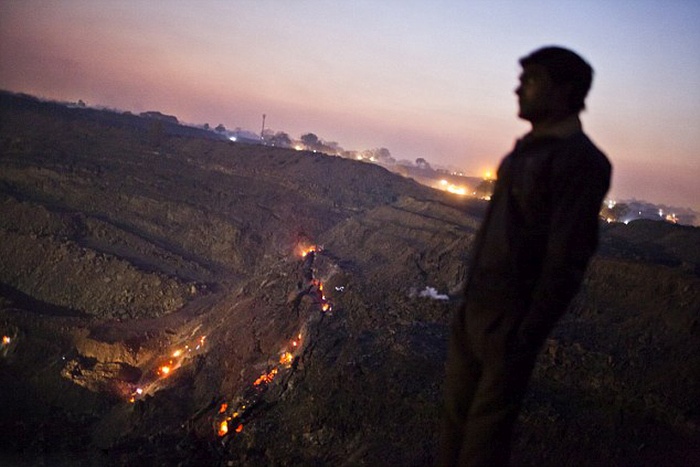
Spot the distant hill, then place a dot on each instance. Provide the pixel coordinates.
(156, 308)
(148, 123)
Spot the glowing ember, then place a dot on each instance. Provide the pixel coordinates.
(177, 353)
(266, 377)
(6, 340)
(286, 358)
(223, 408)
(303, 251)
(223, 428)
(164, 370)
(239, 428)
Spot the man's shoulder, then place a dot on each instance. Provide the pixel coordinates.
(574, 150)
(580, 149)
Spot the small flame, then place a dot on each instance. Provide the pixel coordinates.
(177, 353)
(6, 340)
(306, 251)
(303, 250)
(223, 428)
(266, 377)
(223, 408)
(239, 428)
(164, 370)
(286, 358)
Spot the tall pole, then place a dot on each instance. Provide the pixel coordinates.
(262, 132)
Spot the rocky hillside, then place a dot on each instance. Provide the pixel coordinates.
(170, 298)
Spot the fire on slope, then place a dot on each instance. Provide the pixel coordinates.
(152, 380)
(251, 398)
(8, 341)
(312, 286)
(165, 367)
(288, 356)
(134, 383)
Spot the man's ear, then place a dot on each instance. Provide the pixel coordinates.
(564, 93)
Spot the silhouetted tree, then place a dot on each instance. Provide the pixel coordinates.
(422, 163)
(310, 140)
(280, 139)
(220, 128)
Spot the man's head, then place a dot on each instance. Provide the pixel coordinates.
(554, 82)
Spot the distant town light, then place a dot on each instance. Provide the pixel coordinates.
(233, 138)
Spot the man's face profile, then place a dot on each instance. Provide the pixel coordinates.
(539, 98)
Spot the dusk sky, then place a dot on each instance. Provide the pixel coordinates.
(431, 79)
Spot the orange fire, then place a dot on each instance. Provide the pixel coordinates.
(223, 428)
(266, 377)
(6, 340)
(239, 428)
(223, 408)
(303, 250)
(287, 358)
(164, 370)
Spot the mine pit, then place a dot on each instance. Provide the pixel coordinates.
(192, 301)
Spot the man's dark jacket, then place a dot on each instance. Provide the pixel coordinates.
(540, 229)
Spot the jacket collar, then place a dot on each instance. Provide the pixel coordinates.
(560, 130)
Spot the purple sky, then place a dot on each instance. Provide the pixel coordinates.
(431, 79)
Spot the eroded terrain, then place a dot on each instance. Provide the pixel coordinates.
(169, 298)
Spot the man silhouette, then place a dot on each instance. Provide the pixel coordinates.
(528, 260)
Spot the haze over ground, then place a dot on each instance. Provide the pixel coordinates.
(424, 79)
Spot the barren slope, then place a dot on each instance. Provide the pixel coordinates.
(125, 249)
